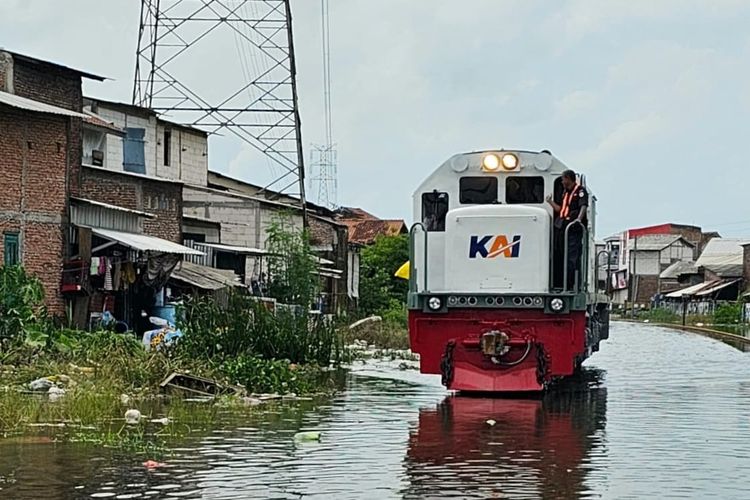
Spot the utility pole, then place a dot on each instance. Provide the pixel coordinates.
(634, 277)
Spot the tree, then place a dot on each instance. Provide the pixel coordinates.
(380, 291)
(292, 266)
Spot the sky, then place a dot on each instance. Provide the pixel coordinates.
(651, 100)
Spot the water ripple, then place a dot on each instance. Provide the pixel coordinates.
(655, 414)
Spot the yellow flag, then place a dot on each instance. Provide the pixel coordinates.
(403, 271)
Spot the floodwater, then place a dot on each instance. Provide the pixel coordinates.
(656, 414)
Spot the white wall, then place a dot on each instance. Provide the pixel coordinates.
(189, 150)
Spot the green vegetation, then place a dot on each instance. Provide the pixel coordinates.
(728, 314)
(291, 264)
(383, 294)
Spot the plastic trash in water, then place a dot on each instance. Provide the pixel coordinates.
(308, 436)
(153, 464)
(491, 422)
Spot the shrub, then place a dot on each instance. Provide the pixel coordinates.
(21, 303)
(728, 314)
(379, 288)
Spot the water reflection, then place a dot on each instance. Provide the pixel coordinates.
(537, 447)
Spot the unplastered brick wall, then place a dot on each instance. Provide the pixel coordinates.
(162, 199)
(49, 84)
(33, 186)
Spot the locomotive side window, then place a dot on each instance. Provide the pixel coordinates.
(525, 190)
(477, 190)
(434, 210)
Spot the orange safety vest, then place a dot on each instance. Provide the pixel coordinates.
(565, 207)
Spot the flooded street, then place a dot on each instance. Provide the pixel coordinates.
(656, 414)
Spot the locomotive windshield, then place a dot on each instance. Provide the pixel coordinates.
(524, 190)
(478, 190)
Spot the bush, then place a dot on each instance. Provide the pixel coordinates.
(246, 327)
(728, 314)
(661, 315)
(379, 288)
(21, 303)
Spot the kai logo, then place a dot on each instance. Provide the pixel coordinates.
(490, 247)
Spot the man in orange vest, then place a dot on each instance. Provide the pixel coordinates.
(572, 211)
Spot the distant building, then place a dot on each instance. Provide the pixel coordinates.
(365, 228)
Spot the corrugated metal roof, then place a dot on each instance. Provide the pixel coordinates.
(234, 249)
(715, 288)
(691, 290)
(111, 207)
(678, 269)
(723, 256)
(206, 278)
(36, 106)
(656, 242)
(144, 243)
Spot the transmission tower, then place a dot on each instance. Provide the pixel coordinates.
(323, 158)
(186, 69)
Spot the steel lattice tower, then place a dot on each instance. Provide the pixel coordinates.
(186, 69)
(323, 158)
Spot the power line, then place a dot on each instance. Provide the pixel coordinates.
(323, 157)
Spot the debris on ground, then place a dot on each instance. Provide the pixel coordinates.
(132, 416)
(41, 384)
(55, 393)
(196, 386)
(162, 421)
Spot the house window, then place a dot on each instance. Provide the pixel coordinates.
(12, 249)
(434, 210)
(167, 146)
(134, 158)
(524, 190)
(478, 190)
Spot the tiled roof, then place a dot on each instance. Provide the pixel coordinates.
(98, 121)
(364, 232)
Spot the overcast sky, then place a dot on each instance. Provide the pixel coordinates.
(650, 99)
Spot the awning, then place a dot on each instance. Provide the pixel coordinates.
(144, 243)
(691, 290)
(39, 107)
(235, 249)
(111, 207)
(715, 288)
(206, 278)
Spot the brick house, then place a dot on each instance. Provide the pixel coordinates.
(40, 147)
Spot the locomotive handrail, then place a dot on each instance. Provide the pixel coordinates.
(609, 269)
(583, 257)
(413, 267)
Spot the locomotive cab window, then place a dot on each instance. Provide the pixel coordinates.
(477, 190)
(524, 190)
(434, 210)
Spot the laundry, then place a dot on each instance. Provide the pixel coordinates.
(108, 276)
(117, 275)
(94, 270)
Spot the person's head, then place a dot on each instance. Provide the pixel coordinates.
(568, 179)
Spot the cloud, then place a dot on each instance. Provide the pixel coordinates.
(624, 136)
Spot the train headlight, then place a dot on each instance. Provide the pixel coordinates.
(557, 304)
(491, 163)
(510, 161)
(434, 303)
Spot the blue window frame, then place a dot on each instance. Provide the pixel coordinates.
(133, 150)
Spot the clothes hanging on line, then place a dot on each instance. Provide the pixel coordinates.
(94, 269)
